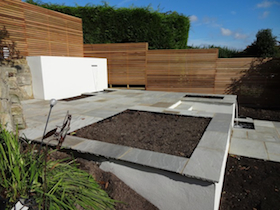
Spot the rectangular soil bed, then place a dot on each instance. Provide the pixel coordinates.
(165, 133)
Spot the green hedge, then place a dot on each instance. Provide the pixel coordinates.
(106, 24)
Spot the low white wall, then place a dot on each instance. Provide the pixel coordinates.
(164, 189)
(64, 77)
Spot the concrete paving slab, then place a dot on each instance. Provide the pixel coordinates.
(184, 106)
(71, 141)
(214, 140)
(31, 133)
(263, 123)
(254, 135)
(214, 108)
(79, 121)
(248, 148)
(274, 157)
(147, 108)
(162, 104)
(205, 164)
(101, 148)
(272, 148)
(240, 133)
(276, 124)
(220, 123)
(155, 159)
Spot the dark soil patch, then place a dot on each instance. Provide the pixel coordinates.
(204, 96)
(171, 134)
(115, 188)
(76, 98)
(260, 114)
(251, 184)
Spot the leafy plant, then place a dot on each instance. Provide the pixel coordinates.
(107, 24)
(264, 46)
(67, 187)
(224, 52)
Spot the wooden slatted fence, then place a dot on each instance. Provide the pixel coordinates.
(12, 17)
(228, 70)
(190, 70)
(39, 31)
(126, 62)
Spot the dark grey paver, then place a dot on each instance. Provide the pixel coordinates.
(155, 159)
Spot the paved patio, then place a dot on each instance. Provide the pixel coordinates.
(202, 172)
(263, 142)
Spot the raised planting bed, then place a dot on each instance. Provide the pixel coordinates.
(157, 171)
(165, 133)
(251, 184)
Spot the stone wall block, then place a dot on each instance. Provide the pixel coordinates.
(19, 121)
(24, 79)
(15, 85)
(12, 82)
(27, 92)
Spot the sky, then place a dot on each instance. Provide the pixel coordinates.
(224, 23)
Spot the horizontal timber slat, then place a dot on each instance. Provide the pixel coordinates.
(38, 31)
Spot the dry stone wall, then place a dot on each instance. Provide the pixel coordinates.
(15, 85)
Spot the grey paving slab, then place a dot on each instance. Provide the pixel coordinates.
(248, 148)
(276, 124)
(103, 113)
(274, 157)
(71, 141)
(162, 104)
(220, 123)
(205, 164)
(185, 106)
(263, 123)
(240, 133)
(101, 148)
(273, 148)
(214, 108)
(147, 108)
(31, 133)
(79, 121)
(214, 140)
(196, 113)
(155, 159)
(265, 134)
(254, 135)
(277, 127)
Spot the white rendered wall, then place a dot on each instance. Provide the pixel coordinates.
(167, 191)
(64, 77)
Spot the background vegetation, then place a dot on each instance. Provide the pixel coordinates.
(107, 24)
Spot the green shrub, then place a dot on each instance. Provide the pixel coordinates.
(106, 24)
(224, 52)
(23, 176)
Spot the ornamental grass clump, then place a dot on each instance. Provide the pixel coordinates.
(22, 175)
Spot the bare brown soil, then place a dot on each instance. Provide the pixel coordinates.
(171, 134)
(251, 184)
(260, 114)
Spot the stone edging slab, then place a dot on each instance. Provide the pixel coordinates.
(205, 163)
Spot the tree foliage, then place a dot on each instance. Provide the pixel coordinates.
(265, 45)
(107, 24)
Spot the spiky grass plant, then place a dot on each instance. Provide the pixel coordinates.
(67, 187)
